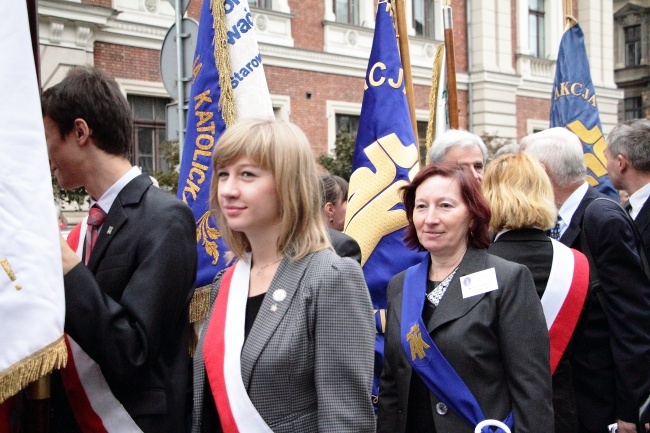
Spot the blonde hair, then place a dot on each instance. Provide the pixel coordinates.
(284, 150)
(519, 193)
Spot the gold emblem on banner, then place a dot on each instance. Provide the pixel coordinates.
(208, 236)
(374, 195)
(414, 337)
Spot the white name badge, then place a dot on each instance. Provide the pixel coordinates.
(478, 282)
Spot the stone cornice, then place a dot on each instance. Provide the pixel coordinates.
(78, 12)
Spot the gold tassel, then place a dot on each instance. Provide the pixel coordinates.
(222, 62)
(19, 375)
(570, 22)
(436, 72)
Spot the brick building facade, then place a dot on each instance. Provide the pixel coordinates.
(316, 53)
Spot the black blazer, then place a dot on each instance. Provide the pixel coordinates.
(642, 222)
(497, 342)
(129, 308)
(344, 245)
(532, 248)
(611, 352)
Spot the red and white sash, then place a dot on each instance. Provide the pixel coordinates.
(564, 297)
(94, 406)
(224, 340)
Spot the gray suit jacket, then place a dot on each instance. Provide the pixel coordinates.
(497, 342)
(308, 366)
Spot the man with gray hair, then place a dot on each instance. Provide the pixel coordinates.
(462, 147)
(610, 353)
(628, 165)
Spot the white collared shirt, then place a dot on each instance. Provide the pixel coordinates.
(106, 200)
(570, 206)
(638, 199)
(498, 235)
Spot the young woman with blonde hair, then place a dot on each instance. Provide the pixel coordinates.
(289, 343)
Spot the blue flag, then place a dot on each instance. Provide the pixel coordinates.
(246, 95)
(574, 106)
(386, 157)
(205, 125)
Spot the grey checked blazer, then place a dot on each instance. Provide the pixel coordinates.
(308, 366)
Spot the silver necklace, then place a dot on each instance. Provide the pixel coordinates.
(261, 268)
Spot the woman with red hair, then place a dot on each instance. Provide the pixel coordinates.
(466, 345)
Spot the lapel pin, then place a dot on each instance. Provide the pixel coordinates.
(274, 308)
(110, 229)
(279, 295)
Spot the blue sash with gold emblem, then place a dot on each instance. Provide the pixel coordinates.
(427, 361)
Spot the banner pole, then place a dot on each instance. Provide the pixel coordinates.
(452, 92)
(405, 56)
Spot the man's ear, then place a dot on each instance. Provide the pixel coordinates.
(544, 167)
(623, 163)
(81, 131)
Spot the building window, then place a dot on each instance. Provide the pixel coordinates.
(148, 133)
(347, 11)
(262, 4)
(536, 32)
(632, 45)
(633, 108)
(347, 123)
(423, 18)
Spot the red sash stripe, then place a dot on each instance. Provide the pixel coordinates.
(73, 237)
(565, 323)
(215, 351)
(84, 414)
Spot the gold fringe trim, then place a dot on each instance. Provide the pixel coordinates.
(436, 73)
(199, 309)
(200, 304)
(51, 357)
(194, 342)
(222, 62)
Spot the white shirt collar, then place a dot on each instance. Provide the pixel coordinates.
(638, 199)
(498, 235)
(570, 206)
(106, 201)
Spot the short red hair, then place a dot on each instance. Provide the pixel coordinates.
(470, 191)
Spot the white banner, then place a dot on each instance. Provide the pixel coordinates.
(252, 98)
(32, 306)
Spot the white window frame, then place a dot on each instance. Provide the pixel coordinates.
(553, 27)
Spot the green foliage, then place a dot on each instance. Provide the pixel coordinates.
(76, 197)
(168, 179)
(340, 163)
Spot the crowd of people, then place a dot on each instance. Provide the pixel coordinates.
(529, 312)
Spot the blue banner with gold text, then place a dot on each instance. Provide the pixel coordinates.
(575, 107)
(204, 127)
(386, 157)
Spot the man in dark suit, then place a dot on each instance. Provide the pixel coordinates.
(628, 165)
(127, 307)
(611, 345)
